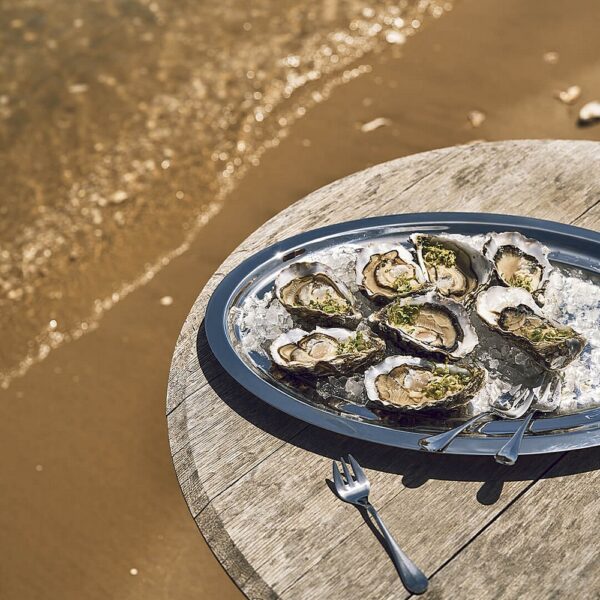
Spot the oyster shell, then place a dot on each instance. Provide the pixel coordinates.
(428, 323)
(311, 291)
(514, 313)
(519, 261)
(387, 271)
(326, 351)
(457, 269)
(412, 383)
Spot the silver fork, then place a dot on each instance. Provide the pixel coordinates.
(551, 401)
(547, 401)
(510, 405)
(356, 491)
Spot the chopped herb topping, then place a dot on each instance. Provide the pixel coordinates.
(403, 315)
(445, 385)
(522, 281)
(329, 305)
(434, 254)
(403, 284)
(354, 344)
(546, 333)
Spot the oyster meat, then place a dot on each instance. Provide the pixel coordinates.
(333, 351)
(412, 383)
(387, 271)
(427, 323)
(312, 292)
(519, 261)
(457, 269)
(514, 313)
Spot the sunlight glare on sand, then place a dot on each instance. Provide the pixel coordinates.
(133, 131)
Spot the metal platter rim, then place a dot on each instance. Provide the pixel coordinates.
(548, 434)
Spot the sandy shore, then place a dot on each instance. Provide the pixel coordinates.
(89, 491)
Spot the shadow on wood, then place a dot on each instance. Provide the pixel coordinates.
(416, 468)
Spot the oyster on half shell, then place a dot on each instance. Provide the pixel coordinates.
(312, 292)
(387, 271)
(427, 323)
(458, 270)
(326, 351)
(514, 313)
(412, 383)
(519, 261)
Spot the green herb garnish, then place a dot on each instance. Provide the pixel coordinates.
(403, 284)
(329, 305)
(354, 344)
(403, 315)
(445, 385)
(546, 333)
(434, 254)
(522, 281)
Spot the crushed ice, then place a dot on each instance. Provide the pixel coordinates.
(571, 298)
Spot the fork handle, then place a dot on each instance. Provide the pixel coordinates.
(438, 443)
(508, 454)
(412, 577)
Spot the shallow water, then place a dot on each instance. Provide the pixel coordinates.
(92, 492)
(123, 126)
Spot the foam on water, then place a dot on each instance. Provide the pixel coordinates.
(114, 162)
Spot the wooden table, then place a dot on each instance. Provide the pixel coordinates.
(255, 479)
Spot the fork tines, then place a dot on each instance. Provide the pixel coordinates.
(359, 474)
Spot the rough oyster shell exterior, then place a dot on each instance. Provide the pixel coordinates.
(477, 375)
(305, 272)
(474, 267)
(340, 364)
(553, 356)
(466, 336)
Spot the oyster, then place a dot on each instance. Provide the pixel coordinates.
(457, 269)
(387, 271)
(412, 383)
(519, 262)
(312, 292)
(428, 323)
(326, 351)
(514, 313)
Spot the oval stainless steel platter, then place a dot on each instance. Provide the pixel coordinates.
(571, 247)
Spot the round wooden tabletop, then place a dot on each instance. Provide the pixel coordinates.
(255, 480)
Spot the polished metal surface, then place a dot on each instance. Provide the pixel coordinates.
(571, 247)
(510, 405)
(509, 453)
(354, 488)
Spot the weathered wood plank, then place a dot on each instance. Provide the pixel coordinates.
(232, 453)
(545, 546)
(222, 455)
(590, 219)
(423, 498)
(234, 562)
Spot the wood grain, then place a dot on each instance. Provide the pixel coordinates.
(545, 545)
(255, 479)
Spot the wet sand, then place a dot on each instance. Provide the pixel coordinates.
(117, 116)
(89, 491)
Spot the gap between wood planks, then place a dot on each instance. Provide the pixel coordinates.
(585, 212)
(512, 502)
(520, 494)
